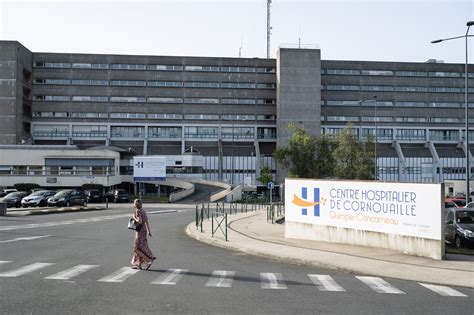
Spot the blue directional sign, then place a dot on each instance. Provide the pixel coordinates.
(270, 185)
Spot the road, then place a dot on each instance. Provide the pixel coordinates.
(78, 263)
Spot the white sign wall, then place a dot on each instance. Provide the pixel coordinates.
(394, 208)
(149, 168)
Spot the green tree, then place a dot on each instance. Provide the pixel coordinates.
(26, 186)
(265, 175)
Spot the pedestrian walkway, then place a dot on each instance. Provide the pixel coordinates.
(251, 233)
(217, 279)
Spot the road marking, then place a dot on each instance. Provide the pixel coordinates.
(24, 238)
(221, 278)
(442, 290)
(326, 283)
(5, 261)
(120, 275)
(68, 222)
(170, 277)
(379, 285)
(24, 270)
(72, 272)
(272, 281)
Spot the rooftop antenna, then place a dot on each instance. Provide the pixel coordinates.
(269, 28)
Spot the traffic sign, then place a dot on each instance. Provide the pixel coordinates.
(270, 185)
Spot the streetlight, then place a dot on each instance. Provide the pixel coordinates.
(468, 24)
(375, 142)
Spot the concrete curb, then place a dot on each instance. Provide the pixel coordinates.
(52, 211)
(339, 261)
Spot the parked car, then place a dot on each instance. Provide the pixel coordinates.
(67, 198)
(459, 229)
(460, 201)
(94, 195)
(118, 195)
(13, 199)
(37, 199)
(5, 192)
(469, 205)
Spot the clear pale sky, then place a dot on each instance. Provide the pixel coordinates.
(344, 30)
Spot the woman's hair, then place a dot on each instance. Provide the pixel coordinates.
(137, 203)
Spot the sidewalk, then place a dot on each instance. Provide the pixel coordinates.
(250, 233)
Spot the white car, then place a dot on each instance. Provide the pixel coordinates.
(37, 199)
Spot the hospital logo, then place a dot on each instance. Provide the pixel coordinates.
(305, 203)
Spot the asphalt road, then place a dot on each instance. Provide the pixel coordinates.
(181, 280)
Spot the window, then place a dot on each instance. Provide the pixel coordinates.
(266, 133)
(410, 104)
(242, 101)
(411, 119)
(382, 133)
(201, 132)
(202, 68)
(51, 131)
(90, 82)
(410, 134)
(266, 86)
(238, 69)
(445, 74)
(201, 117)
(128, 115)
(51, 114)
(343, 87)
(201, 100)
(411, 89)
(411, 73)
(89, 115)
(90, 131)
(165, 67)
(376, 72)
(127, 132)
(238, 117)
(442, 104)
(212, 85)
(444, 135)
(238, 132)
(266, 101)
(381, 88)
(165, 83)
(45, 64)
(345, 103)
(266, 117)
(86, 98)
(342, 72)
(127, 83)
(165, 116)
(124, 66)
(444, 90)
(127, 99)
(170, 100)
(237, 85)
(379, 118)
(52, 98)
(266, 70)
(445, 120)
(90, 65)
(52, 81)
(342, 118)
(164, 132)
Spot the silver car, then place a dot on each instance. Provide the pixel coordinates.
(37, 199)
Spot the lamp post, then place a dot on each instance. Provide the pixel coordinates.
(375, 138)
(466, 89)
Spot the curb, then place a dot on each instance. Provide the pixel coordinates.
(51, 211)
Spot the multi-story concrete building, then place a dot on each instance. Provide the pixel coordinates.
(234, 111)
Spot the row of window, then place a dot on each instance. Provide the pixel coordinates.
(155, 132)
(126, 66)
(397, 104)
(454, 120)
(389, 88)
(142, 99)
(240, 117)
(143, 83)
(435, 74)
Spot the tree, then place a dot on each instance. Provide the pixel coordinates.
(26, 186)
(265, 175)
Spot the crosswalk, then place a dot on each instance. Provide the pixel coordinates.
(218, 279)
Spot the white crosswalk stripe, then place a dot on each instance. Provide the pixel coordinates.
(379, 285)
(170, 277)
(72, 272)
(272, 281)
(24, 270)
(221, 278)
(442, 290)
(120, 275)
(326, 283)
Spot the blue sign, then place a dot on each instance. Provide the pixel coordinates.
(270, 185)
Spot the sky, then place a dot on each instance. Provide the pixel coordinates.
(378, 30)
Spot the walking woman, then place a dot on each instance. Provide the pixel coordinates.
(141, 252)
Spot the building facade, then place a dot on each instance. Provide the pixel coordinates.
(235, 111)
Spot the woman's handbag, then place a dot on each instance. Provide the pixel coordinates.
(132, 224)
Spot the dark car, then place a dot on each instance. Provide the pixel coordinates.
(459, 228)
(94, 195)
(13, 199)
(67, 198)
(37, 199)
(118, 195)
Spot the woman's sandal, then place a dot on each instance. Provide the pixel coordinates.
(148, 265)
(136, 267)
